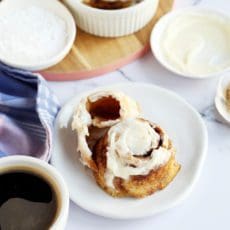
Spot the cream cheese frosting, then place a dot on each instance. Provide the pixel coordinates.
(197, 43)
(128, 143)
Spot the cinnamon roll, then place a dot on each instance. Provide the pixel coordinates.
(95, 114)
(134, 158)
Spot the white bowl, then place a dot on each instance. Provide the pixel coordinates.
(112, 23)
(157, 35)
(53, 6)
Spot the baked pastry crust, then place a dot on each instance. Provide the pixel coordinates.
(137, 186)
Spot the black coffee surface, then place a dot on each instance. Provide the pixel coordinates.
(27, 202)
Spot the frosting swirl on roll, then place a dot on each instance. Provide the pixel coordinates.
(135, 147)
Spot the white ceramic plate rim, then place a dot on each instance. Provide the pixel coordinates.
(162, 23)
(58, 57)
(144, 213)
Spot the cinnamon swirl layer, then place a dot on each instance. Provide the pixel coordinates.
(135, 158)
(95, 114)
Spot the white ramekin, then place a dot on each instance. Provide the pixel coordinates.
(112, 23)
(42, 168)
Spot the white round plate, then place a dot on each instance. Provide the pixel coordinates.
(184, 126)
(161, 25)
(53, 6)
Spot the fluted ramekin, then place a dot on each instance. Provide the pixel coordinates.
(112, 23)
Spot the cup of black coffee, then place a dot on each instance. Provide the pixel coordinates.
(33, 195)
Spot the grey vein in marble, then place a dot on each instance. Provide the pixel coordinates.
(196, 2)
(210, 114)
(124, 75)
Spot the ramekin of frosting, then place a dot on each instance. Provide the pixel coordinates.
(112, 18)
(193, 42)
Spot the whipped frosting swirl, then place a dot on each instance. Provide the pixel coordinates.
(135, 147)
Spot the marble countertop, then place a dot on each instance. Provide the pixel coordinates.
(208, 205)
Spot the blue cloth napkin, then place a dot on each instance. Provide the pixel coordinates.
(27, 112)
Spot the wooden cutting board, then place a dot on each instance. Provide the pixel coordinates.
(91, 56)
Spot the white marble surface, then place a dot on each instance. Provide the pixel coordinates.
(208, 205)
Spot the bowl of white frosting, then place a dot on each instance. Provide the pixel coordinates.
(193, 42)
(35, 34)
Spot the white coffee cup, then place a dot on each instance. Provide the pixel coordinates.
(50, 174)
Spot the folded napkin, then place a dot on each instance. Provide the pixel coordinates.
(27, 112)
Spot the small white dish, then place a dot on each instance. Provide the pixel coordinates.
(183, 124)
(112, 23)
(54, 7)
(163, 24)
(220, 98)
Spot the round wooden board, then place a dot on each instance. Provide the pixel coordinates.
(92, 56)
